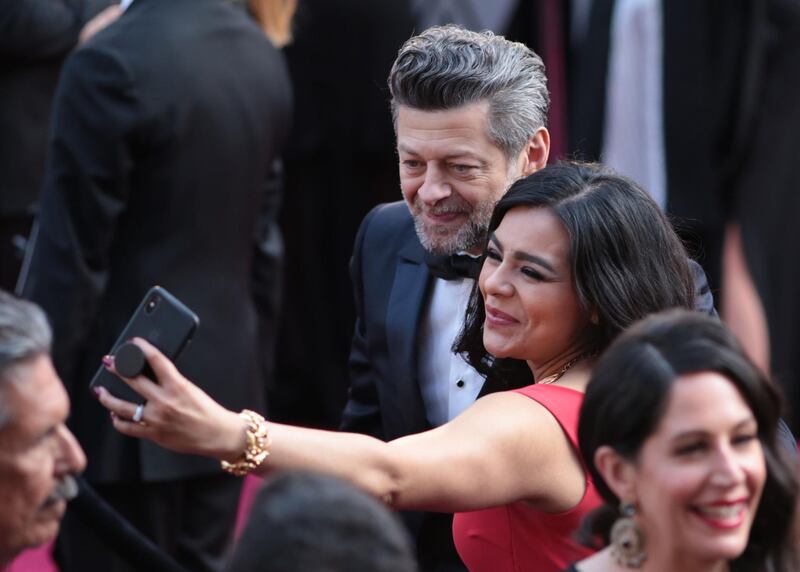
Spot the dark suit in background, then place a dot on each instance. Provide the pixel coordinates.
(35, 37)
(712, 69)
(767, 200)
(165, 127)
(730, 85)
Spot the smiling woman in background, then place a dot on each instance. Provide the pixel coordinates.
(679, 429)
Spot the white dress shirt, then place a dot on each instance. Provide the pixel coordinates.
(633, 138)
(449, 384)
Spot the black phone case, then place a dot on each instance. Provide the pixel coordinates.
(162, 320)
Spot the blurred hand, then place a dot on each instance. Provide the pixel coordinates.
(100, 21)
(178, 415)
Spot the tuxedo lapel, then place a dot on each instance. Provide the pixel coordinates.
(406, 303)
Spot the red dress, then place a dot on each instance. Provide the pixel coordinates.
(516, 537)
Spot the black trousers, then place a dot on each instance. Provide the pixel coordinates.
(191, 520)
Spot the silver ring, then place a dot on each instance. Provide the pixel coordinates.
(137, 415)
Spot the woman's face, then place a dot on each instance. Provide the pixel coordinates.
(699, 477)
(532, 309)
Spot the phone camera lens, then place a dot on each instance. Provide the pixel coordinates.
(151, 304)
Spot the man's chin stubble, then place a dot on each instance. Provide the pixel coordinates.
(442, 243)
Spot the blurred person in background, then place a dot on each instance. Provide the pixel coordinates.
(695, 100)
(317, 523)
(165, 128)
(340, 161)
(763, 236)
(35, 37)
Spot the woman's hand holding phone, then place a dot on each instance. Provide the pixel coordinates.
(177, 415)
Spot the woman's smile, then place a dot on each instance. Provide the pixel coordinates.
(496, 318)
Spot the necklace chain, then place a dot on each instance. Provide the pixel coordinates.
(559, 374)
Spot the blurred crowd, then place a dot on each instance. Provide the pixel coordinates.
(235, 152)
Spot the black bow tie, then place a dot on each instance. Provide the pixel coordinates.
(454, 266)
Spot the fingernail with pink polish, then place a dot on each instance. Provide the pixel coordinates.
(108, 361)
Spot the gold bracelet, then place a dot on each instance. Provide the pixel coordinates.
(257, 448)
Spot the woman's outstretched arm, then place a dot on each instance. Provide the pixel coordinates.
(502, 449)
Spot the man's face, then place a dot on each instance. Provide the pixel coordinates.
(37, 455)
(451, 174)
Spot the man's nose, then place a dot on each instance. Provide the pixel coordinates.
(435, 186)
(71, 456)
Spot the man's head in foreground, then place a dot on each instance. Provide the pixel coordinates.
(306, 522)
(469, 111)
(38, 454)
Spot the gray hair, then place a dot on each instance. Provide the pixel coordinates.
(446, 67)
(24, 334)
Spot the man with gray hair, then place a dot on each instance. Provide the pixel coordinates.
(39, 456)
(469, 112)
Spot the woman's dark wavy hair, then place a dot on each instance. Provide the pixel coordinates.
(626, 260)
(626, 399)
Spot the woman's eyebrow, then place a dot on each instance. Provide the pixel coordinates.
(519, 255)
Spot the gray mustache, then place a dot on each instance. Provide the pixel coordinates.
(66, 489)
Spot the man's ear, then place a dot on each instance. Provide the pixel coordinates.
(618, 472)
(537, 150)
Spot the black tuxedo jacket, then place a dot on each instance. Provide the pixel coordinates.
(165, 126)
(391, 283)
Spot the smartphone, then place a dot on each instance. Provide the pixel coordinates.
(162, 320)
